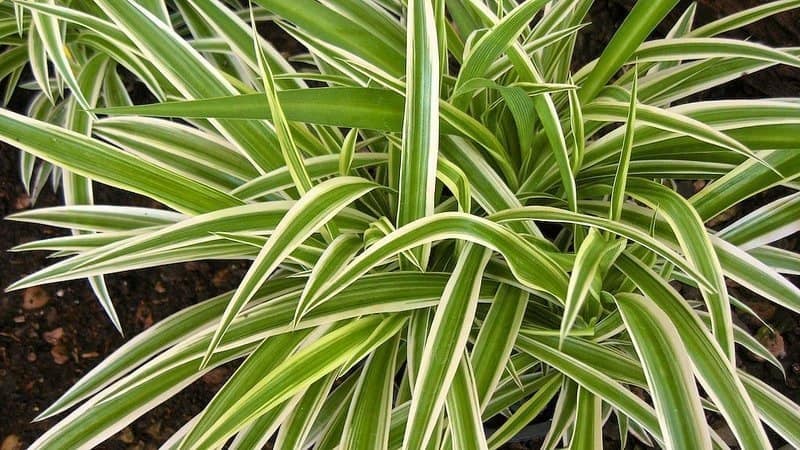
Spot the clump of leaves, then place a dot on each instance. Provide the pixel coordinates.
(450, 227)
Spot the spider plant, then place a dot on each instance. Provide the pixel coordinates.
(449, 224)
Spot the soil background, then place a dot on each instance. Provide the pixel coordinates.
(52, 335)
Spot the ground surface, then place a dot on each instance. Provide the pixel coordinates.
(51, 336)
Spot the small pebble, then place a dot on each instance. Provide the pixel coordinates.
(160, 287)
(59, 354)
(126, 436)
(772, 342)
(11, 442)
(53, 337)
(216, 376)
(22, 202)
(144, 316)
(221, 277)
(34, 298)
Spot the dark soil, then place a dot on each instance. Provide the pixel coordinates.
(47, 348)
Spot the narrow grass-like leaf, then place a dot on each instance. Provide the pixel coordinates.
(368, 417)
(295, 428)
(594, 253)
(745, 17)
(496, 339)
(326, 24)
(288, 377)
(98, 217)
(642, 19)
(109, 165)
(712, 367)
(420, 121)
(564, 414)
(546, 275)
(37, 55)
(464, 411)
(347, 153)
(339, 252)
(317, 167)
(621, 177)
(765, 225)
(776, 410)
(310, 213)
(695, 243)
(669, 373)
(526, 413)
(549, 214)
(191, 74)
(587, 433)
(291, 155)
(445, 346)
(698, 48)
(595, 381)
(497, 39)
(177, 145)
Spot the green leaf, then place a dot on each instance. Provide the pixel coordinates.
(695, 243)
(194, 153)
(192, 75)
(765, 225)
(315, 209)
(464, 411)
(420, 121)
(745, 17)
(369, 412)
(549, 214)
(530, 265)
(334, 258)
(348, 152)
(491, 44)
(50, 32)
(594, 253)
(330, 26)
(588, 428)
(526, 413)
(496, 339)
(109, 165)
(780, 413)
(669, 373)
(712, 366)
(621, 177)
(291, 155)
(296, 427)
(595, 381)
(685, 48)
(444, 346)
(642, 19)
(264, 392)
